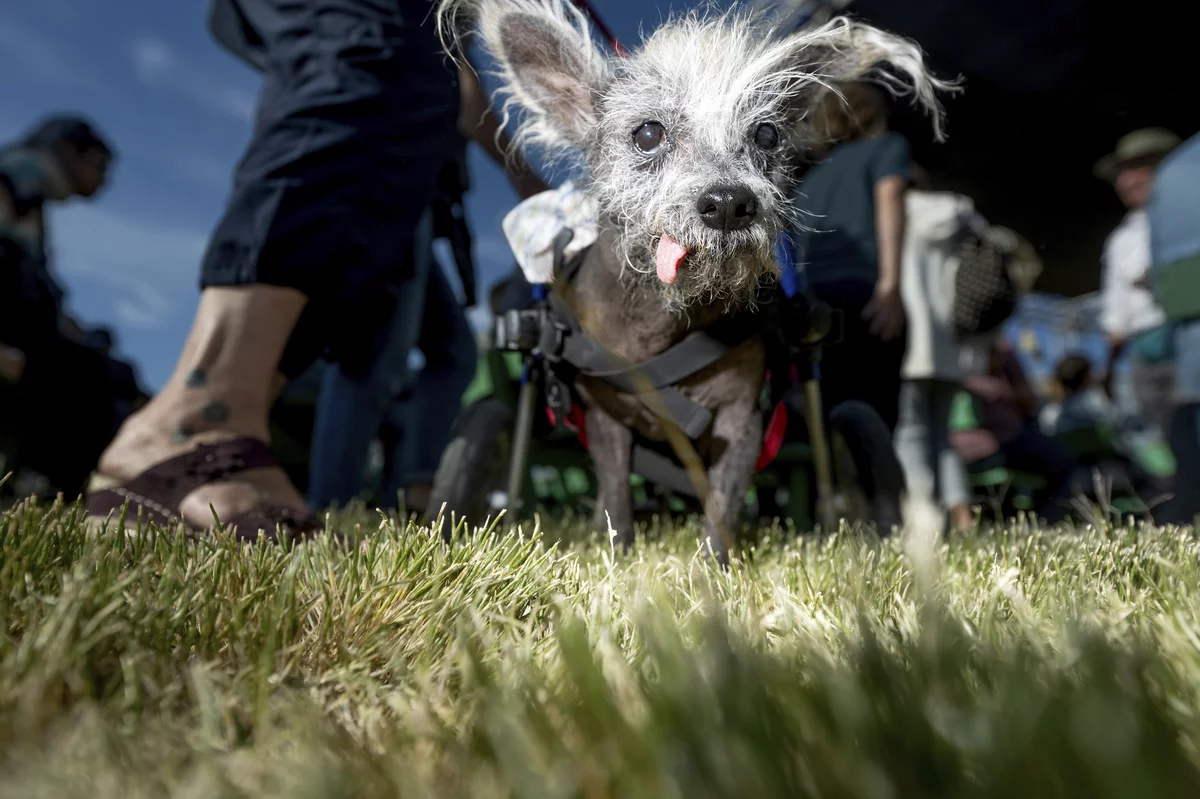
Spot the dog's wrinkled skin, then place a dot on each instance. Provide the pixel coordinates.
(708, 103)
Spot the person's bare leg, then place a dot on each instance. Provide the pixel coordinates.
(962, 518)
(223, 387)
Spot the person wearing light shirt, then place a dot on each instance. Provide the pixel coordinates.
(1131, 317)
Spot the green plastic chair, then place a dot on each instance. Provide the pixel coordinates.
(992, 475)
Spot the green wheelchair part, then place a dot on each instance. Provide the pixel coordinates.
(484, 384)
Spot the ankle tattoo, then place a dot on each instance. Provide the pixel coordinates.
(216, 412)
(182, 434)
(197, 378)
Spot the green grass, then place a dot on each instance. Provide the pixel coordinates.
(1014, 663)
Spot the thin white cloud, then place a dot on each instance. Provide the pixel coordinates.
(153, 60)
(152, 270)
(142, 307)
(158, 66)
(228, 100)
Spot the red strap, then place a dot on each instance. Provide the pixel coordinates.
(576, 418)
(773, 437)
(574, 422)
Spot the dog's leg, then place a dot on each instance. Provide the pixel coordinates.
(611, 447)
(737, 436)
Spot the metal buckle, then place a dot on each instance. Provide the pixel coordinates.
(551, 339)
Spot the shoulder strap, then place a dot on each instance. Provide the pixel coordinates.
(695, 352)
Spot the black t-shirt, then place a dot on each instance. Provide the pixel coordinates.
(836, 200)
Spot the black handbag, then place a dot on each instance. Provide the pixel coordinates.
(985, 295)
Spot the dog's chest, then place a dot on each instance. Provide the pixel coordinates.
(734, 379)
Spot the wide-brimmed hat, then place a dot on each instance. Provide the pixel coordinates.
(1143, 143)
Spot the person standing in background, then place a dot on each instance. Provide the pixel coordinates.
(851, 208)
(935, 362)
(64, 395)
(1131, 317)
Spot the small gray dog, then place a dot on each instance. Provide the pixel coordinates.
(690, 146)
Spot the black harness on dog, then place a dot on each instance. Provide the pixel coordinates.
(553, 333)
(653, 381)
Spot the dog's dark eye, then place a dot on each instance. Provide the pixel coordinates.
(766, 136)
(649, 137)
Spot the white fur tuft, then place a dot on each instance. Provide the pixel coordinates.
(711, 79)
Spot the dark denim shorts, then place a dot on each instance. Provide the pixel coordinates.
(354, 121)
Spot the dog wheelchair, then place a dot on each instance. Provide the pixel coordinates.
(520, 443)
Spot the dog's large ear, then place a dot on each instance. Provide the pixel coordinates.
(549, 64)
(845, 51)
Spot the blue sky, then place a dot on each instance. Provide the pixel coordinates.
(179, 110)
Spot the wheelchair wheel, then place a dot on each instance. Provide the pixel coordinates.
(868, 478)
(474, 467)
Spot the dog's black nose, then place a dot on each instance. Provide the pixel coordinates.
(727, 207)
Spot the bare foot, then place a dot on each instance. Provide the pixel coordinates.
(147, 439)
(222, 388)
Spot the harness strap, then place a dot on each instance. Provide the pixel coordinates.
(698, 350)
(592, 360)
(665, 473)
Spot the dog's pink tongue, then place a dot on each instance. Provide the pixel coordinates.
(668, 257)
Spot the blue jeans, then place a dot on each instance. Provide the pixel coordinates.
(350, 410)
(423, 420)
(932, 467)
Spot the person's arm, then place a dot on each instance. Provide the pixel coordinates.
(889, 229)
(7, 211)
(1113, 311)
(478, 122)
(12, 360)
(1023, 395)
(72, 329)
(25, 182)
(885, 312)
(988, 388)
(12, 363)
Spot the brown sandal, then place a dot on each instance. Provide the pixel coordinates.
(159, 490)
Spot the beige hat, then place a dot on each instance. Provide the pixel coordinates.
(1132, 146)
